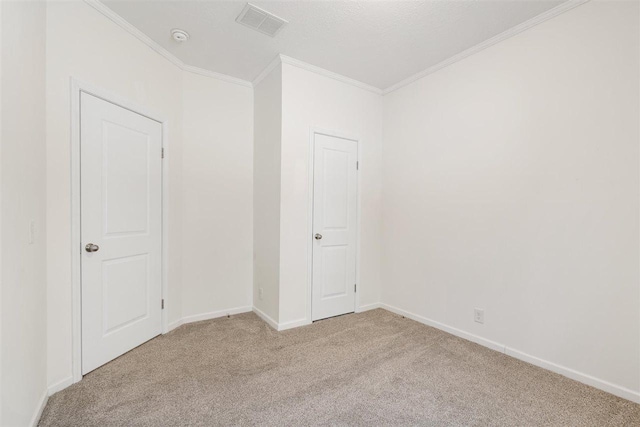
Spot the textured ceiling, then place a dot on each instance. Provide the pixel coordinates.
(376, 42)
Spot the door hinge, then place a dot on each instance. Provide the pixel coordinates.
(162, 154)
(355, 287)
(162, 304)
(357, 165)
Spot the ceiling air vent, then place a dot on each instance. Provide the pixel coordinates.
(260, 20)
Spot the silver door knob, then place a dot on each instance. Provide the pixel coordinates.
(91, 248)
(318, 236)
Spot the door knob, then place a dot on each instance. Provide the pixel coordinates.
(318, 236)
(91, 248)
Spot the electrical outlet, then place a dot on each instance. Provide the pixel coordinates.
(260, 293)
(478, 315)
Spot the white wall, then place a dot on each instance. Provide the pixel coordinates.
(209, 161)
(313, 100)
(510, 183)
(266, 193)
(217, 230)
(1, 205)
(23, 311)
(107, 57)
(505, 185)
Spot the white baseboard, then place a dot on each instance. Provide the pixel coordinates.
(293, 324)
(368, 307)
(301, 322)
(214, 314)
(280, 326)
(174, 325)
(453, 331)
(35, 419)
(603, 385)
(268, 320)
(208, 316)
(60, 385)
(614, 389)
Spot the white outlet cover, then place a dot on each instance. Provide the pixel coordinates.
(478, 315)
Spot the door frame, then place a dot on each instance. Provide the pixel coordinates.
(77, 87)
(313, 131)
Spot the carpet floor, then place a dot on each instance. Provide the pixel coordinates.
(370, 369)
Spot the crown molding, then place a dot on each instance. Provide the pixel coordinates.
(124, 24)
(551, 13)
(121, 22)
(283, 59)
(339, 77)
(218, 76)
(264, 73)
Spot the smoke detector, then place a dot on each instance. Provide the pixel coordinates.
(260, 20)
(179, 35)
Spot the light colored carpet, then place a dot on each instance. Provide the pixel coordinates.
(374, 368)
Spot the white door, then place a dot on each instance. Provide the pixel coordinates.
(334, 226)
(121, 226)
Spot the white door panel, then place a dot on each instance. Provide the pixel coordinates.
(334, 226)
(121, 202)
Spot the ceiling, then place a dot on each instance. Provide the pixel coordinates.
(379, 43)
